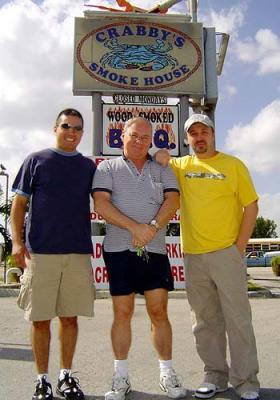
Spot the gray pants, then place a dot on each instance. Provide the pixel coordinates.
(216, 287)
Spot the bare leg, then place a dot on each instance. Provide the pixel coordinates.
(41, 337)
(123, 307)
(156, 303)
(68, 334)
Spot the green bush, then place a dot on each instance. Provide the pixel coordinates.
(275, 265)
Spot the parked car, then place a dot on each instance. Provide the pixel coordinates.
(260, 258)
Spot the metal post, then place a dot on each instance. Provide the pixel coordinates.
(193, 9)
(6, 215)
(184, 115)
(97, 138)
(97, 134)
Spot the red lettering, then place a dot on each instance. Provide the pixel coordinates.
(178, 273)
(174, 272)
(181, 272)
(94, 216)
(97, 251)
(100, 275)
(174, 250)
(168, 249)
(176, 218)
(105, 274)
(99, 159)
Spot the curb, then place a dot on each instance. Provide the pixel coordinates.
(12, 290)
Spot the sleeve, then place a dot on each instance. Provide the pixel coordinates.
(169, 180)
(23, 182)
(174, 163)
(246, 190)
(102, 181)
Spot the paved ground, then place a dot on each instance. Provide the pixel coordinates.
(93, 356)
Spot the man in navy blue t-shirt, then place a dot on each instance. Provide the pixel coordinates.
(55, 186)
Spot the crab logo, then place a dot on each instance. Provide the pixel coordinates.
(143, 57)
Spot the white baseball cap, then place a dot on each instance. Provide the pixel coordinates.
(203, 119)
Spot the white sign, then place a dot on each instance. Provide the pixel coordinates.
(127, 52)
(164, 120)
(174, 253)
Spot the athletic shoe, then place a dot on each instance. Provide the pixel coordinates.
(171, 384)
(120, 388)
(250, 395)
(69, 388)
(207, 390)
(43, 390)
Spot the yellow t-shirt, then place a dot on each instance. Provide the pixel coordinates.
(214, 192)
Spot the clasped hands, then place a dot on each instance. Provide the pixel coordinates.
(142, 234)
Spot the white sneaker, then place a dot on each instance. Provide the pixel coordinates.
(120, 388)
(171, 384)
(250, 395)
(207, 390)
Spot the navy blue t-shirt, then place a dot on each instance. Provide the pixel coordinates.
(59, 186)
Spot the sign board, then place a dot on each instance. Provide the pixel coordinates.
(164, 120)
(173, 248)
(131, 52)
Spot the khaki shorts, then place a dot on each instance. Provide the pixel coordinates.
(57, 285)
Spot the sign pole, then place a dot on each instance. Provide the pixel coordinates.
(96, 145)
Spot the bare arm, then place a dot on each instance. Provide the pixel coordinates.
(141, 233)
(247, 225)
(18, 211)
(168, 208)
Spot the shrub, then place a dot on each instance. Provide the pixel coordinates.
(275, 265)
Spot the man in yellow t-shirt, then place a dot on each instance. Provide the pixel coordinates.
(218, 212)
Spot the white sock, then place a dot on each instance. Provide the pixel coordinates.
(121, 367)
(63, 372)
(165, 366)
(45, 376)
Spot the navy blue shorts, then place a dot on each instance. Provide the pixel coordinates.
(129, 273)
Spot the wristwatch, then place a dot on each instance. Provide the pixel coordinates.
(155, 224)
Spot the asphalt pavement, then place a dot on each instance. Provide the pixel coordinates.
(93, 359)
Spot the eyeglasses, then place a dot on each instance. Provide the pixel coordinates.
(135, 137)
(65, 126)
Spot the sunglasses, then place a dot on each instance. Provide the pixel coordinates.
(74, 127)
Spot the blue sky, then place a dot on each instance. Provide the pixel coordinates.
(36, 45)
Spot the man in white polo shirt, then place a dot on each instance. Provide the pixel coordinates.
(137, 197)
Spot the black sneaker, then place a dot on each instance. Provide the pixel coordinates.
(69, 388)
(43, 390)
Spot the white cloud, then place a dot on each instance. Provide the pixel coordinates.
(257, 143)
(225, 20)
(227, 92)
(263, 51)
(269, 208)
(36, 44)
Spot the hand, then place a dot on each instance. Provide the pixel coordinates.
(19, 252)
(240, 248)
(162, 157)
(142, 234)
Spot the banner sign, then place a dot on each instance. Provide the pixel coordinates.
(174, 253)
(164, 120)
(156, 53)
